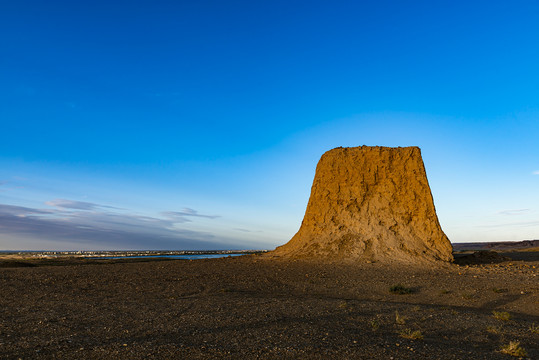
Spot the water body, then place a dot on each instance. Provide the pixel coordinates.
(184, 257)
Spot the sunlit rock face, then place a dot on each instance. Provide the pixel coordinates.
(370, 204)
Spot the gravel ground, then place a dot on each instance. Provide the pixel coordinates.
(250, 308)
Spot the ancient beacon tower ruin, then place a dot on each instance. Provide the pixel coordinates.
(370, 204)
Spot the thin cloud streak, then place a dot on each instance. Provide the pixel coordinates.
(514, 212)
(247, 231)
(536, 172)
(186, 212)
(77, 205)
(21, 210)
(519, 224)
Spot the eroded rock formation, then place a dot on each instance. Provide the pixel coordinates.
(370, 204)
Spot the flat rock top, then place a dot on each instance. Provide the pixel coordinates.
(371, 204)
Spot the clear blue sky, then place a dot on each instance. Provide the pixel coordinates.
(197, 125)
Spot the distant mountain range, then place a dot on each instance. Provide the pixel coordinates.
(497, 246)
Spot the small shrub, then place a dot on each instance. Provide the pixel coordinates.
(501, 315)
(514, 349)
(499, 290)
(400, 289)
(409, 334)
(445, 292)
(399, 319)
(343, 305)
(534, 328)
(468, 296)
(494, 329)
(375, 324)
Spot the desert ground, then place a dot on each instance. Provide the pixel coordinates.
(250, 307)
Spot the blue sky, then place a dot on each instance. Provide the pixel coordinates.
(198, 125)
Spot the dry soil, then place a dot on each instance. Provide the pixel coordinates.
(250, 308)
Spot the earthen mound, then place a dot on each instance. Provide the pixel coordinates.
(370, 204)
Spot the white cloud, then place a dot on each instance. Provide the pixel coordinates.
(536, 172)
(101, 228)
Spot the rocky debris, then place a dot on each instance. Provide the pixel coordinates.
(370, 204)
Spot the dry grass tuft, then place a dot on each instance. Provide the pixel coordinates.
(494, 329)
(501, 315)
(409, 334)
(399, 319)
(514, 349)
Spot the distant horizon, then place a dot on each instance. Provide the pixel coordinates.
(235, 250)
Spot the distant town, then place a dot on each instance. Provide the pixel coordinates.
(125, 253)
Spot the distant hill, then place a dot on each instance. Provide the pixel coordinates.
(497, 246)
